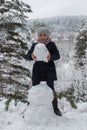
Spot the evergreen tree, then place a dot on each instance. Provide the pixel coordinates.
(81, 64)
(14, 38)
(81, 46)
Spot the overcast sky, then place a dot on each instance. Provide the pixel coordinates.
(51, 8)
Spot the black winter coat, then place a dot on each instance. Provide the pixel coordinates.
(44, 71)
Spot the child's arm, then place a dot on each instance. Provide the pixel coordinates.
(28, 56)
(54, 52)
(33, 56)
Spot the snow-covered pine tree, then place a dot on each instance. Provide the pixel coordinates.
(81, 64)
(14, 38)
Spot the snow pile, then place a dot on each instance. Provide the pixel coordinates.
(40, 109)
(41, 52)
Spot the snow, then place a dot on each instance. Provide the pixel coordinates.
(41, 52)
(39, 114)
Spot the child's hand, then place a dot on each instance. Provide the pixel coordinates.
(48, 57)
(33, 56)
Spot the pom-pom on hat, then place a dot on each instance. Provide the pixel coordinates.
(43, 30)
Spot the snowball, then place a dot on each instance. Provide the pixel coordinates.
(41, 52)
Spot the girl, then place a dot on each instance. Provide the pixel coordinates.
(45, 71)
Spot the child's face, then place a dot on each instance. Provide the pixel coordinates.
(43, 37)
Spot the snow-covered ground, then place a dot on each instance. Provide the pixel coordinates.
(39, 114)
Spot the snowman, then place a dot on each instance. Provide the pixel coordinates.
(41, 52)
(40, 110)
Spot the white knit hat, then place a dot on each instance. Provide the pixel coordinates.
(43, 30)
